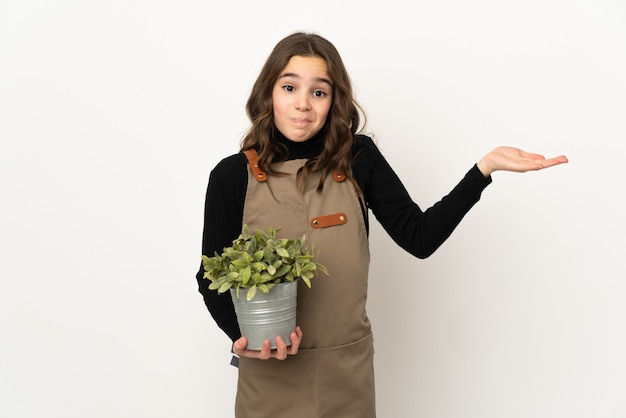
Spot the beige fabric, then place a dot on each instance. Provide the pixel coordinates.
(332, 375)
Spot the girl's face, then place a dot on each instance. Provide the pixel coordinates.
(302, 96)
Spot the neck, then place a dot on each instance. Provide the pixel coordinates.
(306, 149)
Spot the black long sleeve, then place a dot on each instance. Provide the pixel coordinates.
(416, 231)
(223, 212)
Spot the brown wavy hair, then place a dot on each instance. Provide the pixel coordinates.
(342, 123)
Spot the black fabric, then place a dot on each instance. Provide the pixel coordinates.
(419, 232)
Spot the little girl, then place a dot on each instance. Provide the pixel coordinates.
(305, 167)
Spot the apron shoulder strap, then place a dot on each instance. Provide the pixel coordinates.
(253, 160)
(260, 175)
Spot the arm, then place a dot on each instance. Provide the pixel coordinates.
(223, 212)
(223, 215)
(419, 232)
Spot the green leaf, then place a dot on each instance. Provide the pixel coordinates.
(259, 267)
(244, 275)
(265, 277)
(224, 287)
(322, 268)
(245, 232)
(282, 252)
(282, 270)
(261, 234)
(240, 264)
(251, 293)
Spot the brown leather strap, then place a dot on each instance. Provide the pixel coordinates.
(329, 220)
(253, 160)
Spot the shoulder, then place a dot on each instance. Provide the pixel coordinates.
(230, 165)
(362, 141)
(365, 150)
(230, 171)
(365, 145)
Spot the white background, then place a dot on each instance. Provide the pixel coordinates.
(112, 115)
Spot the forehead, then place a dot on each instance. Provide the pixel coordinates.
(306, 68)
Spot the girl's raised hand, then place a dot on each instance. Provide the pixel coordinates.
(514, 159)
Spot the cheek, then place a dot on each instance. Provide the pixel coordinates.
(277, 104)
(323, 112)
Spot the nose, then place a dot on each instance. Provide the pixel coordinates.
(302, 102)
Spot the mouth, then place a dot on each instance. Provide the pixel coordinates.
(300, 121)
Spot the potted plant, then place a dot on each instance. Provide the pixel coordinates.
(262, 271)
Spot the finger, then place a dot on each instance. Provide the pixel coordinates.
(281, 349)
(296, 338)
(266, 351)
(541, 164)
(239, 346)
(554, 161)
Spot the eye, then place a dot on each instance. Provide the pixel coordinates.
(288, 87)
(320, 93)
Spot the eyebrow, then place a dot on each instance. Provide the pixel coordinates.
(318, 79)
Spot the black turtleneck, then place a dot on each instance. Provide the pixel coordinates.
(298, 150)
(418, 232)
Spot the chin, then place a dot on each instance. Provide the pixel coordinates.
(299, 138)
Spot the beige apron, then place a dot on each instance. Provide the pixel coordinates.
(332, 375)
